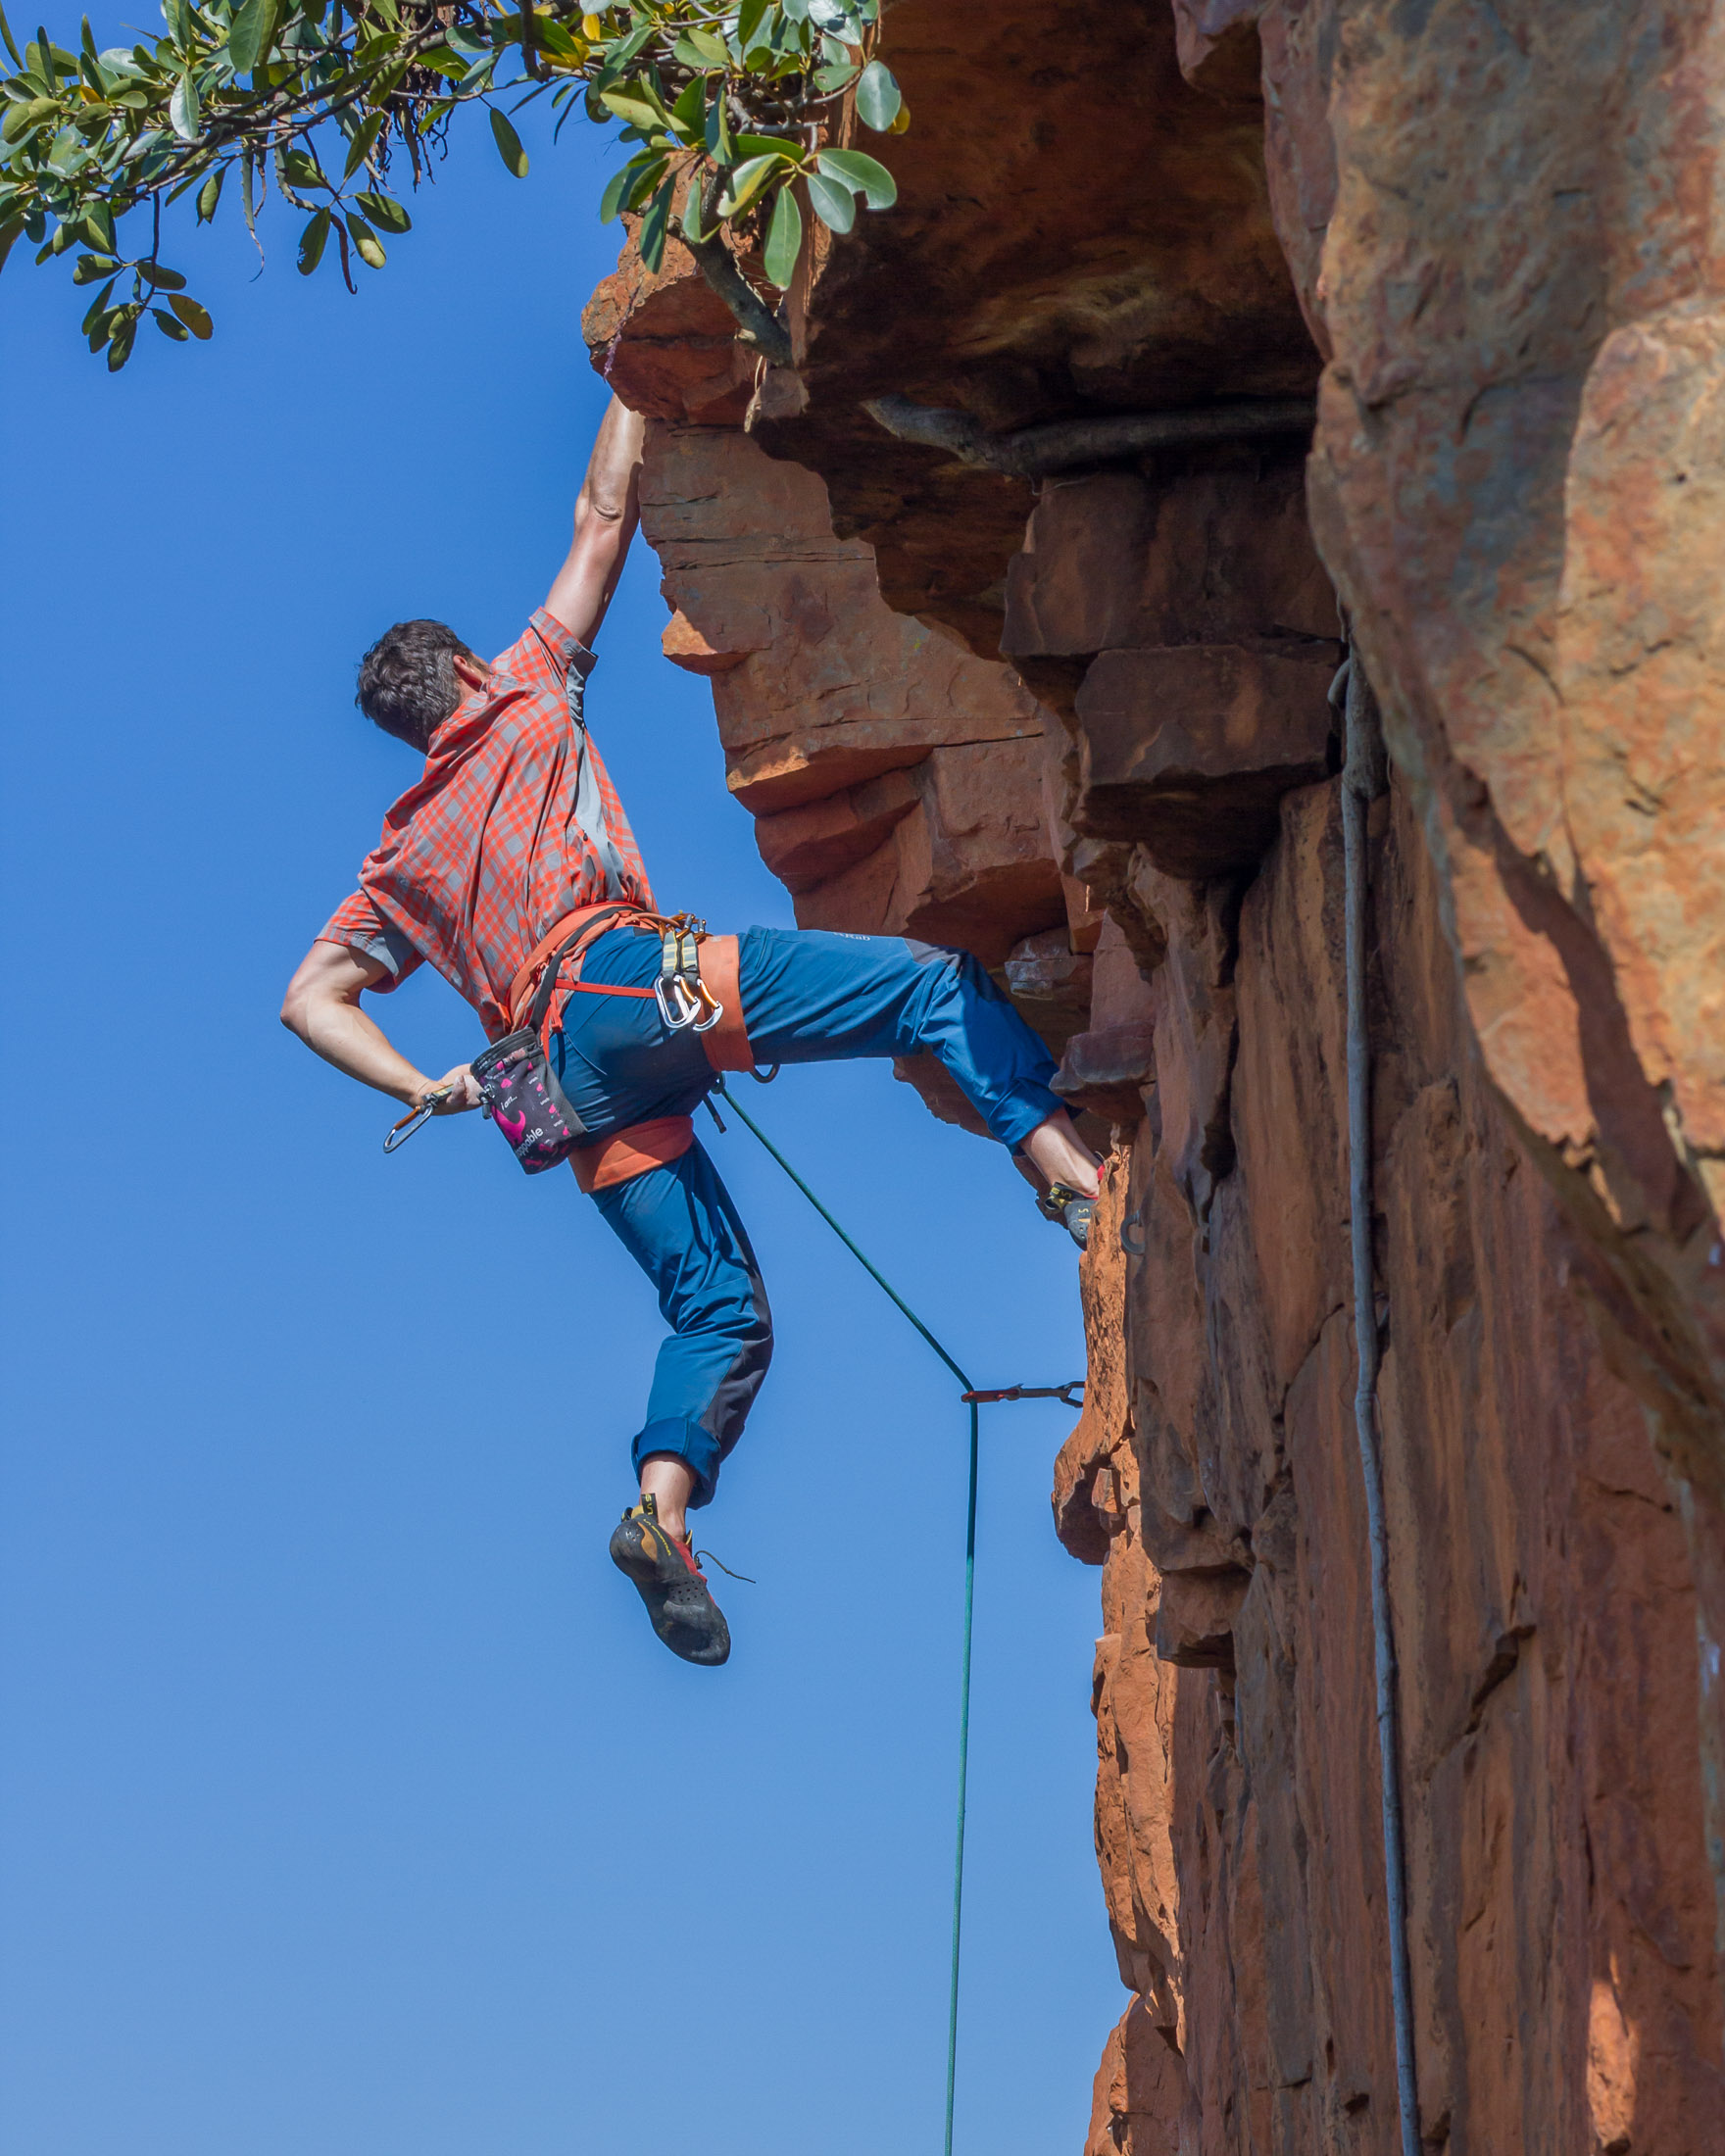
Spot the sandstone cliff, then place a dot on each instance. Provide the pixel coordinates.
(1083, 730)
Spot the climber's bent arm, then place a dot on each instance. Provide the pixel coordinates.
(607, 512)
(322, 1006)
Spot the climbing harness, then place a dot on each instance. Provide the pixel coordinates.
(974, 1399)
(1361, 781)
(520, 1090)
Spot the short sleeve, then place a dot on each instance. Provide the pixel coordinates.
(545, 654)
(357, 924)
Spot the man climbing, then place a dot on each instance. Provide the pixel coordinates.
(512, 867)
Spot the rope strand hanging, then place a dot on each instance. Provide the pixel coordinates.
(974, 1400)
(1362, 780)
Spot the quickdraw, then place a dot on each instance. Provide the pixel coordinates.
(1069, 1395)
(684, 999)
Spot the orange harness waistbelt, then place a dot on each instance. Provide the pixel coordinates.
(725, 1039)
(632, 1151)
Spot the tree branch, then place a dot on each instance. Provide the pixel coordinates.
(1037, 451)
(758, 327)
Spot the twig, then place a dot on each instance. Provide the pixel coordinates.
(758, 325)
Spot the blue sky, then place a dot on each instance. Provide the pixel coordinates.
(346, 1802)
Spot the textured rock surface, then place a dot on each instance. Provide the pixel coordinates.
(1493, 228)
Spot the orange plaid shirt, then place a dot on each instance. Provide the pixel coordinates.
(484, 857)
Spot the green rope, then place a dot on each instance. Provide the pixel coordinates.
(868, 1266)
(881, 1281)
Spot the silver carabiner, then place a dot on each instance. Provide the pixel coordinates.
(685, 1011)
(429, 1104)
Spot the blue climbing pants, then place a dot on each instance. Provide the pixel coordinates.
(808, 998)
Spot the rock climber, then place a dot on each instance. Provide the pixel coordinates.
(509, 837)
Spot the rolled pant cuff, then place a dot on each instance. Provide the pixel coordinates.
(696, 1447)
(1028, 1109)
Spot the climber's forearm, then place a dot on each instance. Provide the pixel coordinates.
(607, 512)
(322, 1006)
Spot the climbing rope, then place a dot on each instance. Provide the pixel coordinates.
(1362, 780)
(974, 1400)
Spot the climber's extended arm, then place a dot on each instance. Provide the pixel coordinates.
(322, 1006)
(607, 512)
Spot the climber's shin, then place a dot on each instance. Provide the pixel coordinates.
(678, 1223)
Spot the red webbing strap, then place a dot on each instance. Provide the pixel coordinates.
(726, 1043)
(587, 924)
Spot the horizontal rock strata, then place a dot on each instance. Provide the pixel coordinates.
(1084, 729)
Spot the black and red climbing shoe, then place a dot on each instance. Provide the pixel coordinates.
(671, 1584)
(1069, 1209)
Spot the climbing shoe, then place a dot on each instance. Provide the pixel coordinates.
(1069, 1209)
(671, 1584)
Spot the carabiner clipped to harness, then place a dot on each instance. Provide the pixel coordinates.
(429, 1104)
(684, 999)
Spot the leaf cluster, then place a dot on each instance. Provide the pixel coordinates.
(741, 115)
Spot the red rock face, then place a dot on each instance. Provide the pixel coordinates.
(1085, 732)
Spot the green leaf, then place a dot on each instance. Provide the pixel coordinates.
(124, 327)
(749, 20)
(646, 180)
(878, 97)
(302, 170)
(863, 173)
(5, 33)
(182, 109)
(364, 139)
(633, 112)
(312, 242)
(833, 205)
(784, 238)
(209, 194)
(748, 183)
(618, 186)
(509, 144)
(549, 36)
(371, 247)
(620, 55)
(253, 34)
(385, 210)
(656, 227)
(705, 49)
(718, 130)
(195, 317)
(170, 324)
(763, 145)
(20, 119)
(98, 228)
(98, 307)
(89, 267)
(690, 110)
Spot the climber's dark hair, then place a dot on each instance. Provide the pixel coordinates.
(407, 683)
